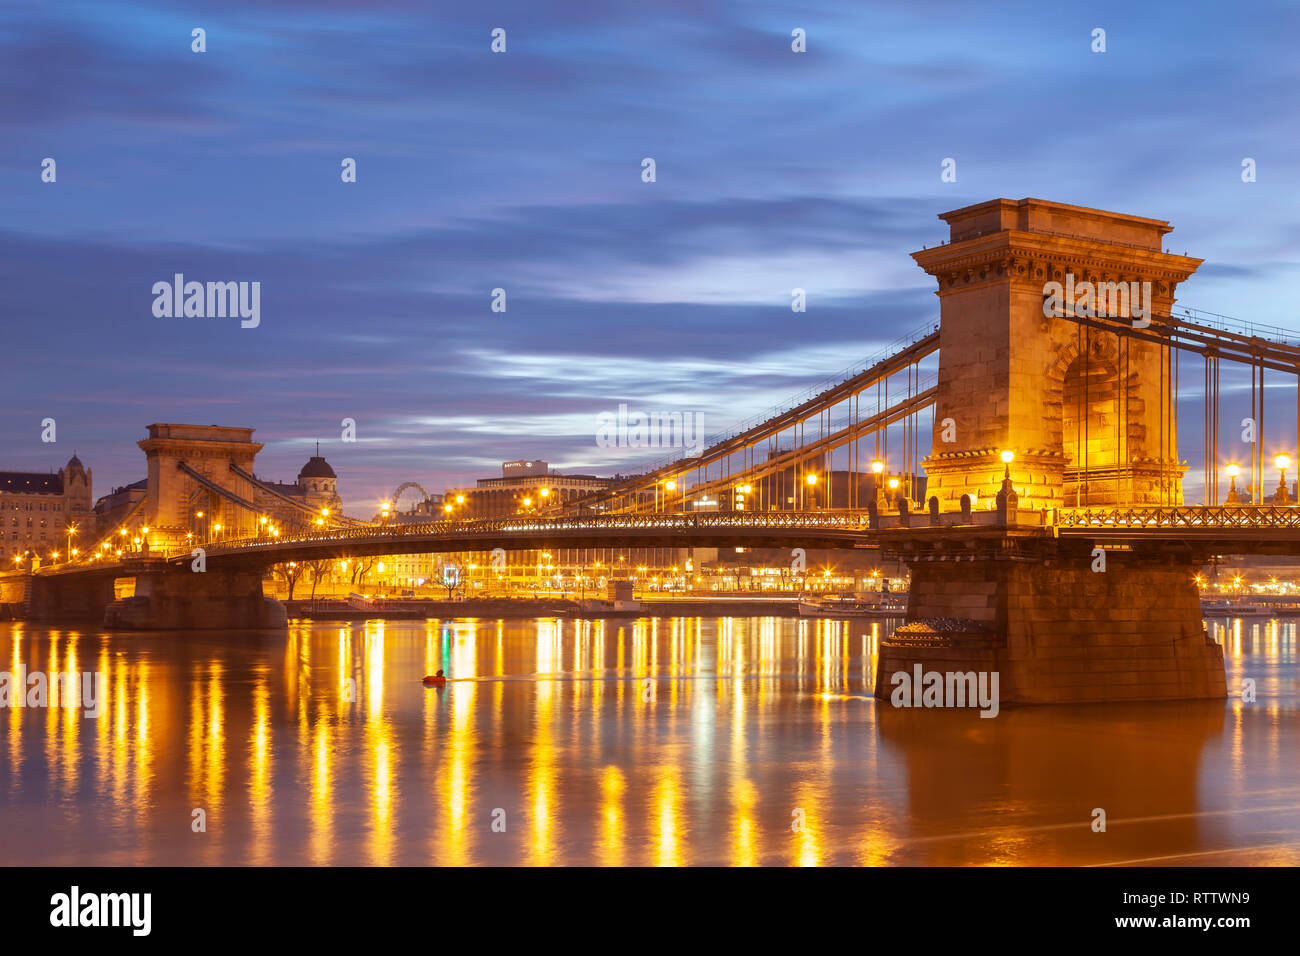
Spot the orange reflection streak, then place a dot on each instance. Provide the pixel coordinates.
(457, 848)
(540, 776)
(14, 732)
(104, 725)
(216, 739)
(378, 751)
(322, 811)
(259, 777)
(375, 671)
(610, 845)
(744, 844)
(195, 776)
(668, 818)
(432, 656)
(347, 689)
(145, 744)
(120, 761)
(53, 752)
(805, 845)
(71, 712)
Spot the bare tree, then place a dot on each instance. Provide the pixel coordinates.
(318, 569)
(360, 568)
(289, 575)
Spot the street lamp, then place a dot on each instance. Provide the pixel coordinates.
(1283, 462)
(1232, 469)
(72, 529)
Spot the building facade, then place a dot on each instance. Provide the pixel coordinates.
(37, 512)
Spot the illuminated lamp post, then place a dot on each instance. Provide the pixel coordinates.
(1281, 497)
(1233, 469)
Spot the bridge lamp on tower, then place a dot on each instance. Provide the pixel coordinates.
(877, 469)
(670, 484)
(1232, 469)
(1283, 462)
(72, 529)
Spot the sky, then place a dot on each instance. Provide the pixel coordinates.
(522, 171)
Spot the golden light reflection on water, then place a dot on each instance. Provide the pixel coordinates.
(645, 742)
(667, 818)
(610, 846)
(259, 776)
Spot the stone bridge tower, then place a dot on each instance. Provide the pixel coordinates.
(174, 498)
(1088, 413)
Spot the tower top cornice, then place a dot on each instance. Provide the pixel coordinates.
(1031, 240)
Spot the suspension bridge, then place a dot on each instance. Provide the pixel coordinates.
(1046, 527)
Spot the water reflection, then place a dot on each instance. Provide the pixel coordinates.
(737, 741)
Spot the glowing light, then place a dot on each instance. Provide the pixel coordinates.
(1008, 457)
(893, 482)
(670, 484)
(877, 466)
(812, 478)
(1233, 469)
(1283, 462)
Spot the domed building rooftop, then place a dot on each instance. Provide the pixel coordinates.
(75, 462)
(317, 467)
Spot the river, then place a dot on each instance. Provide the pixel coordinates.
(656, 741)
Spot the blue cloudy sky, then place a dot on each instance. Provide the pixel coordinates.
(523, 171)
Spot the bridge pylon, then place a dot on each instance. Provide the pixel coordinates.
(1038, 357)
(1088, 413)
(173, 496)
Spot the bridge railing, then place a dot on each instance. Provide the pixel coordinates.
(494, 527)
(1188, 517)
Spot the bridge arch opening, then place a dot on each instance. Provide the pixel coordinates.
(1090, 407)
